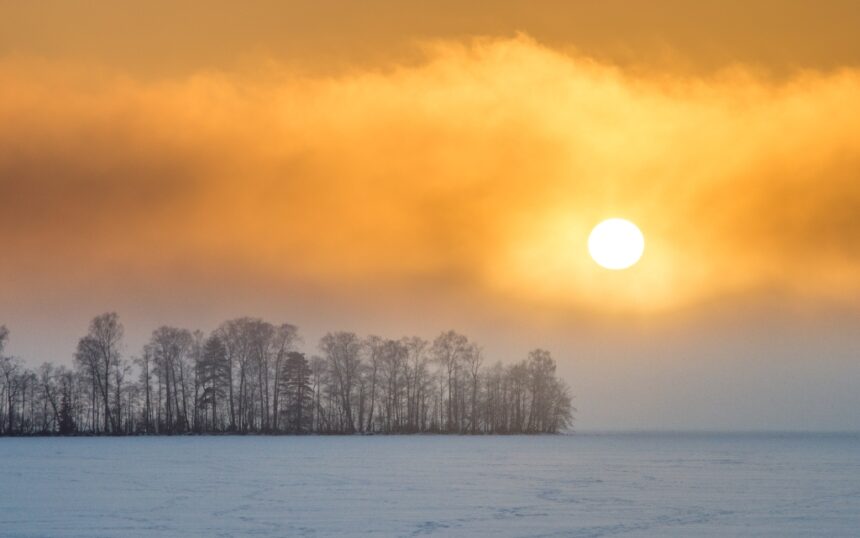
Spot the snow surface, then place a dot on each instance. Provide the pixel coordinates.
(585, 485)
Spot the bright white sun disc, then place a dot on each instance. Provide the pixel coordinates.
(616, 244)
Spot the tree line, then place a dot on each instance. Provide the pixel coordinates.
(248, 376)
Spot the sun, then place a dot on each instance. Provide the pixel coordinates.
(616, 244)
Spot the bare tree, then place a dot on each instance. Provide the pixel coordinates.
(51, 395)
(170, 346)
(99, 353)
(449, 350)
(473, 359)
(10, 371)
(145, 364)
(284, 340)
(373, 346)
(235, 334)
(342, 352)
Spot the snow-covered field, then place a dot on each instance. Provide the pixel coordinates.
(580, 485)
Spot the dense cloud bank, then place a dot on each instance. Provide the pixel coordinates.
(481, 168)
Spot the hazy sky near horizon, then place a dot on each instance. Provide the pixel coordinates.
(391, 168)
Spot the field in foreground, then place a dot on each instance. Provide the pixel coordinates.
(585, 485)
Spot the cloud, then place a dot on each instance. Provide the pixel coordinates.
(482, 168)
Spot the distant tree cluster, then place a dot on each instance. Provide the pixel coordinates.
(248, 376)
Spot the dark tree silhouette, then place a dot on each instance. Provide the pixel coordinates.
(297, 394)
(66, 422)
(213, 376)
(249, 377)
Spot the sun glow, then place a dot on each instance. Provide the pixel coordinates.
(616, 244)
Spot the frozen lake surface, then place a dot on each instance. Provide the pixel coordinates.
(585, 485)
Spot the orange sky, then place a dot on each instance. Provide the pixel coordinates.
(394, 169)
